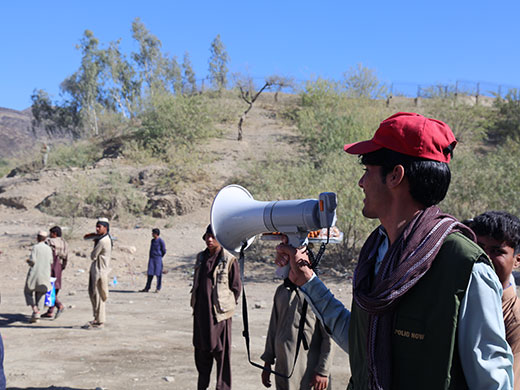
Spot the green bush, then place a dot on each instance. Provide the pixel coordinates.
(329, 118)
(174, 120)
(78, 154)
(467, 121)
(506, 123)
(5, 167)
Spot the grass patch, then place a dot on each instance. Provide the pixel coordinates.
(78, 154)
(110, 195)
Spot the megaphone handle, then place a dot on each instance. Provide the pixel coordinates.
(283, 272)
(296, 240)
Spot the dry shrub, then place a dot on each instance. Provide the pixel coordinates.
(108, 195)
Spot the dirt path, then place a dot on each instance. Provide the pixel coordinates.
(146, 343)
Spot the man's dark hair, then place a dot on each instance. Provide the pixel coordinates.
(56, 230)
(499, 225)
(429, 180)
(156, 231)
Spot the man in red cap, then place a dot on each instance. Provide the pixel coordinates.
(426, 310)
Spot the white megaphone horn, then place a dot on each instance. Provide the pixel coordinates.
(236, 218)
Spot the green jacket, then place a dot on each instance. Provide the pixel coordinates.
(424, 335)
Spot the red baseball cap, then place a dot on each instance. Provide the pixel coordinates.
(411, 134)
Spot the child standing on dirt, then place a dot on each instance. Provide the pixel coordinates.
(155, 262)
(312, 369)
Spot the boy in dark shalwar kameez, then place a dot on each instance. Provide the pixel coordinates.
(155, 262)
(215, 292)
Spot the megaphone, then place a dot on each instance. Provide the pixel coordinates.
(236, 218)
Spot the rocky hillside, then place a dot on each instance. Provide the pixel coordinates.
(16, 135)
(228, 158)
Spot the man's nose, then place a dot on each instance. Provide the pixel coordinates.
(360, 182)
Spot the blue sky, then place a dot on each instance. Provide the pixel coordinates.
(403, 41)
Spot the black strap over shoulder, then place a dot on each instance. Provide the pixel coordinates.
(301, 336)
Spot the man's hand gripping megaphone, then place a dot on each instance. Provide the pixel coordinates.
(298, 260)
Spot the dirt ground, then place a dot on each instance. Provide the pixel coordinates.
(147, 341)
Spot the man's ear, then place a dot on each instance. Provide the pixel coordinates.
(394, 178)
(516, 263)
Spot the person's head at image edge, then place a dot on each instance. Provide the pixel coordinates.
(498, 234)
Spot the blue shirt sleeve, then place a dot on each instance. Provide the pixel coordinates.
(486, 357)
(331, 312)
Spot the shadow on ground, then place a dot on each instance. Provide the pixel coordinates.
(123, 291)
(17, 320)
(7, 319)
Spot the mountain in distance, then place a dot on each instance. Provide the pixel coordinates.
(17, 137)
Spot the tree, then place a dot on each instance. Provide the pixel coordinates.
(83, 95)
(55, 119)
(174, 75)
(249, 94)
(149, 59)
(84, 85)
(124, 89)
(280, 82)
(218, 64)
(362, 82)
(189, 83)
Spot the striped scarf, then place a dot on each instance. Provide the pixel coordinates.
(403, 265)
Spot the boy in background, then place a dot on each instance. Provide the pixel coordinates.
(312, 369)
(498, 233)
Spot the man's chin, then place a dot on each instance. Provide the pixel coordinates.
(368, 215)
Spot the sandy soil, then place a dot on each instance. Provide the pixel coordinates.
(146, 343)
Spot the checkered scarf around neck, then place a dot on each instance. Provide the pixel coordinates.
(405, 262)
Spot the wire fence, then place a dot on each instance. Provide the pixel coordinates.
(460, 87)
(475, 89)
